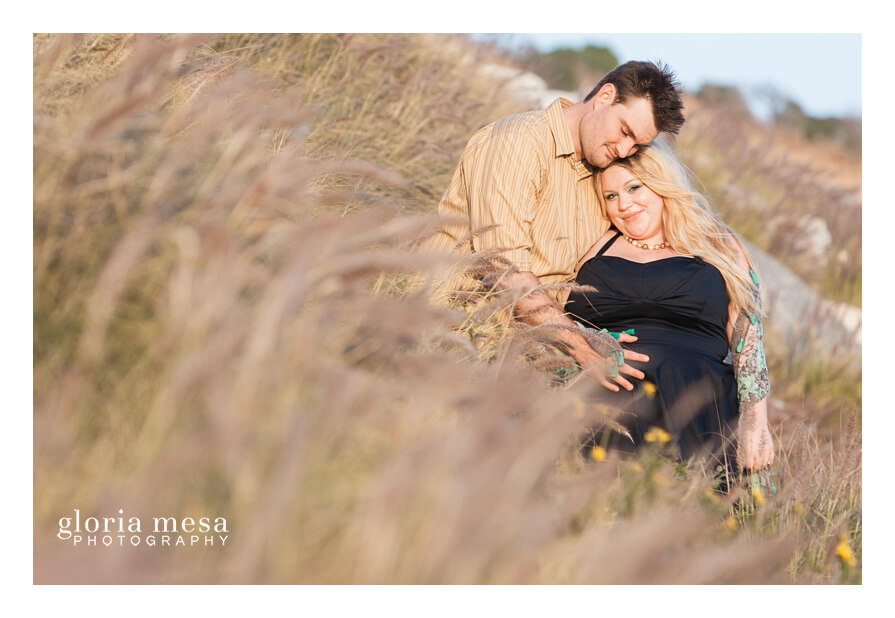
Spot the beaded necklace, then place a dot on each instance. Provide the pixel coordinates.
(643, 245)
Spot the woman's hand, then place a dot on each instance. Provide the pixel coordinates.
(535, 307)
(755, 447)
(601, 354)
(629, 355)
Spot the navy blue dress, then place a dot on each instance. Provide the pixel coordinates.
(678, 309)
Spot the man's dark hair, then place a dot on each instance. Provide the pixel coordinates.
(651, 81)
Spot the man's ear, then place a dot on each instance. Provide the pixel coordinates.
(605, 95)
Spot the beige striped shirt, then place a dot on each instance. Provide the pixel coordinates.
(520, 174)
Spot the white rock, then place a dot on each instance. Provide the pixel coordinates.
(815, 238)
(797, 312)
(847, 315)
(513, 79)
(529, 89)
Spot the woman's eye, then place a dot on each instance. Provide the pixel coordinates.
(633, 188)
(610, 196)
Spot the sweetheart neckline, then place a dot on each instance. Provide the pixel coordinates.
(672, 257)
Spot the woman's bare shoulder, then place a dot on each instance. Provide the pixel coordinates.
(595, 248)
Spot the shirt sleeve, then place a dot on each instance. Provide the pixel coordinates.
(502, 179)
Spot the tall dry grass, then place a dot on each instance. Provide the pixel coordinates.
(218, 225)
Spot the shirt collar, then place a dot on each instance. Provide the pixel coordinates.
(562, 136)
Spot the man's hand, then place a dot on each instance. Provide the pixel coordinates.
(535, 307)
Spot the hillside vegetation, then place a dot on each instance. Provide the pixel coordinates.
(222, 226)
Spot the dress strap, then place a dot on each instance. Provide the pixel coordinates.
(608, 244)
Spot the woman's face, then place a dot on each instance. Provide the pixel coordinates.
(632, 207)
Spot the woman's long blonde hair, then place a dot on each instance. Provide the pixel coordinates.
(689, 222)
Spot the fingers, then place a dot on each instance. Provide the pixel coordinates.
(609, 385)
(615, 382)
(624, 383)
(747, 447)
(626, 338)
(755, 450)
(767, 452)
(632, 371)
(748, 460)
(765, 449)
(619, 381)
(631, 355)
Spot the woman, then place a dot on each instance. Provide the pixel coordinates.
(674, 273)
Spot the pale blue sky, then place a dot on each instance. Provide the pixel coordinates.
(821, 72)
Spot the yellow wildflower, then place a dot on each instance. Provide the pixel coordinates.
(730, 523)
(711, 495)
(757, 496)
(798, 509)
(657, 434)
(844, 552)
(598, 453)
(649, 388)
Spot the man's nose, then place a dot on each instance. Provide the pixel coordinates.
(627, 147)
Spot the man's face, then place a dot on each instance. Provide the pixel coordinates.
(614, 131)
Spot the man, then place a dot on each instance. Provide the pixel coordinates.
(524, 184)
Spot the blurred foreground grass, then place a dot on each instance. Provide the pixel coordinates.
(217, 222)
